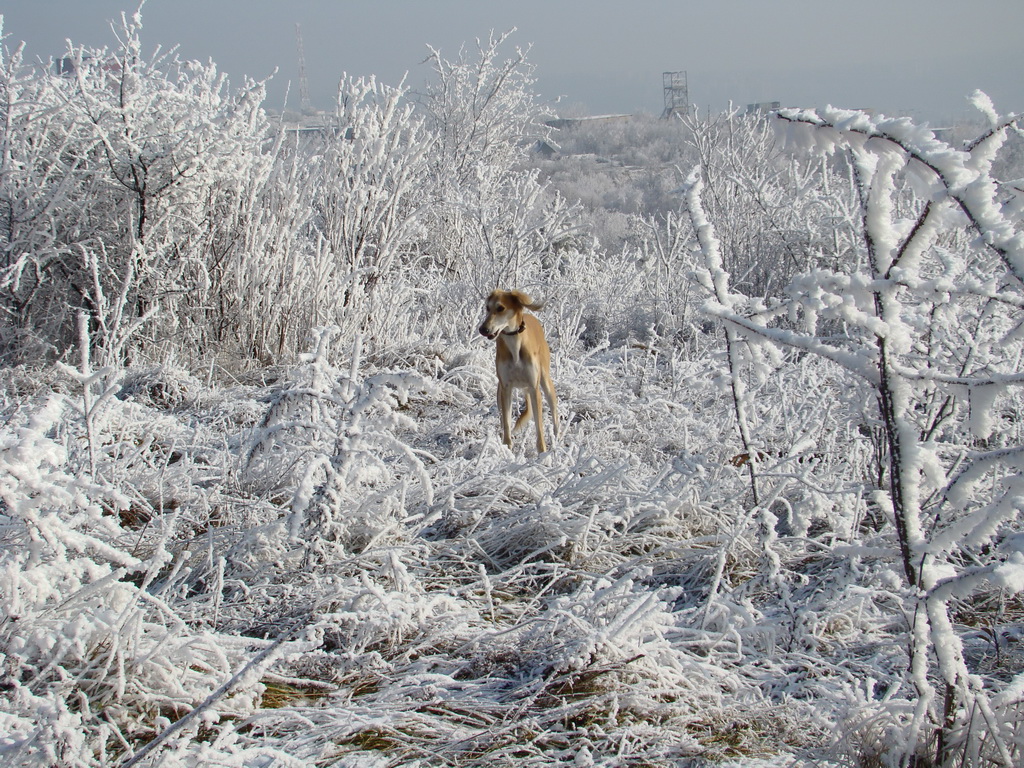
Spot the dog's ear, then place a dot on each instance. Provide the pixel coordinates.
(526, 302)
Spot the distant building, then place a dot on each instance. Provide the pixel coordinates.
(562, 123)
(762, 107)
(544, 149)
(67, 66)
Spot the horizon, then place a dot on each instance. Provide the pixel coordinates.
(589, 57)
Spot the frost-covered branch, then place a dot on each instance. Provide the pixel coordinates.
(715, 279)
(959, 175)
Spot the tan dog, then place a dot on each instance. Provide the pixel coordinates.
(522, 361)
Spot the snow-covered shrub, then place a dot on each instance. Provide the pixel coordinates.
(493, 220)
(183, 152)
(918, 352)
(329, 440)
(775, 215)
(139, 181)
(368, 202)
(51, 212)
(78, 636)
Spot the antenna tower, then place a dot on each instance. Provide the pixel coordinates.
(306, 104)
(677, 93)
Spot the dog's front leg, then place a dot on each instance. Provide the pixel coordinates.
(505, 409)
(538, 418)
(549, 393)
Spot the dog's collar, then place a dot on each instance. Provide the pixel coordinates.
(517, 331)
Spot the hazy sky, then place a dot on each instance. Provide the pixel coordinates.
(918, 57)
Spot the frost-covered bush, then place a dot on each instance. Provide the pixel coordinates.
(368, 207)
(494, 220)
(125, 176)
(82, 631)
(928, 319)
(329, 439)
(776, 214)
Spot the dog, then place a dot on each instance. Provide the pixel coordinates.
(522, 361)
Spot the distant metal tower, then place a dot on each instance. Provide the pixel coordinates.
(306, 103)
(677, 93)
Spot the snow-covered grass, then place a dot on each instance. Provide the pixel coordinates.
(437, 598)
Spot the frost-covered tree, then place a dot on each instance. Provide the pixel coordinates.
(482, 109)
(775, 214)
(929, 312)
(495, 218)
(49, 211)
(123, 182)
(174, 146)
(371, 192)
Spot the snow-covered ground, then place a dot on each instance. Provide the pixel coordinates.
(430, 597)
(606, 601)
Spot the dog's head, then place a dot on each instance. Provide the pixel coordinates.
(504, 312)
